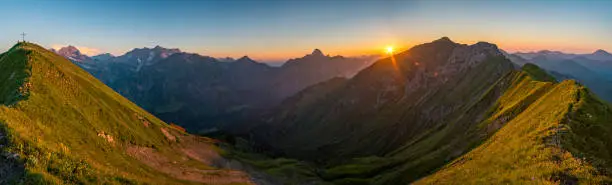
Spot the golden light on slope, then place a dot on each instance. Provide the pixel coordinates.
(389, 49)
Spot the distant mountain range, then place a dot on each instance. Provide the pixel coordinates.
(599, 55)
(201, 92)
(594, 70)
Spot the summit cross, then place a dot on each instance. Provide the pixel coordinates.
(23, 34)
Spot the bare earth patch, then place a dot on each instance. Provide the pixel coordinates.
(168, 135)
(201, 149)
(183, 171)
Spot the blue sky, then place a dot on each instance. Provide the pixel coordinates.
(271, 30)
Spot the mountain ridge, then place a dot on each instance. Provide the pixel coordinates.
(59, 125)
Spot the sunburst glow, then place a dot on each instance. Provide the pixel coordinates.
(389, 49)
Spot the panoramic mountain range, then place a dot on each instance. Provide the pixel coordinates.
(439, 113)
(201, 93)
(593, 70)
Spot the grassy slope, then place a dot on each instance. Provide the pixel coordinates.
(523, 92)
(55, 127)
(540, 145)
(14, 74)
(438, 144)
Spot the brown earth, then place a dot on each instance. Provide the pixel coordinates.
(181, 170)
(197, 160)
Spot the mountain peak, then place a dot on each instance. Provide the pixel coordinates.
(317, 52)
(72, 53)
(444, 39)
(150, 54)
(245, 59)
(158, 47)
(103, 56)
(601, 52)
(485, 44)
(69, 49)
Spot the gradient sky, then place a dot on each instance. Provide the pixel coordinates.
(271, 30)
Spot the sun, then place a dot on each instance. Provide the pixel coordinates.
(389, 49)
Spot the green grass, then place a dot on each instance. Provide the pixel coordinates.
(517, 118)
(52, 114)
(15, 73)
(535, 147)
(284, 170)
(537, 73)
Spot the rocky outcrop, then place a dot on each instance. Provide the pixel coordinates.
(73, 54)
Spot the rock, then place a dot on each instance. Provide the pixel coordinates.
(108, 137)
(168, 135)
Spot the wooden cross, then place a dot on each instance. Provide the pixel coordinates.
(23, 36)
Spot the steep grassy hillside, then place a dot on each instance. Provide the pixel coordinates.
(561, 138)
(536, 132)
(59, 125)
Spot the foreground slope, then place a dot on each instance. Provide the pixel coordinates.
(60, 125)
(410, 115)
(562, 137)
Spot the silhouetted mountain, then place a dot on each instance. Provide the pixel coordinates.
(298, 73)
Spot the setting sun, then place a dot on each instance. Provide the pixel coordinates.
(389, 49)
